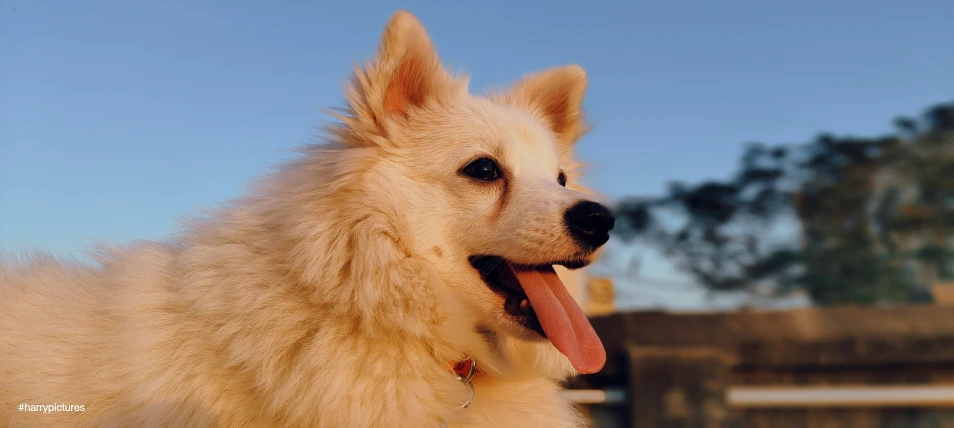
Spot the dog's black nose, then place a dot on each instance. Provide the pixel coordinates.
(589, 224)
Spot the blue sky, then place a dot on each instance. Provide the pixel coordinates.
(118, 117)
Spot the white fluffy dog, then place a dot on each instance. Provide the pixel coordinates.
(348, 287)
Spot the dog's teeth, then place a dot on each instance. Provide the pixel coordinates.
(525, 305)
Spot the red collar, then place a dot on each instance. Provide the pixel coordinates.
(464, 369)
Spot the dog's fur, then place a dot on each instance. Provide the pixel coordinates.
(337, 293)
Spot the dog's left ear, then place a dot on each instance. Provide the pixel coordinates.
(406, 74)
(556, 96)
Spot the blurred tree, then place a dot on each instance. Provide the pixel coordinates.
(874, 217)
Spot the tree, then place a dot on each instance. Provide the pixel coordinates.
(873, 218)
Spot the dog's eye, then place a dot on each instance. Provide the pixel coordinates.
(561, 179)
(482, 169)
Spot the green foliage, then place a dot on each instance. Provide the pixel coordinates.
(874, 217)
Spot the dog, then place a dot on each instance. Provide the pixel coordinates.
(398, 273)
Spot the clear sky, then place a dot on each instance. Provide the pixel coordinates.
(117, 117)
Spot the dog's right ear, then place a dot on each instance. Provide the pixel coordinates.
(406, 74)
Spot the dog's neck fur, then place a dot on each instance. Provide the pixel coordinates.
(323, 201)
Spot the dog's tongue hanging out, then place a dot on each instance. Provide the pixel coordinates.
(562, 319)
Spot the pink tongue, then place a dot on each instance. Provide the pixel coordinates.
(562, 319)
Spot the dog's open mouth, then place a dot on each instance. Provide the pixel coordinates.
(535, 297)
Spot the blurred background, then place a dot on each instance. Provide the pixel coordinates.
(783, 172)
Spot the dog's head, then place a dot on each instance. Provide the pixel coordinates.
(487, 184)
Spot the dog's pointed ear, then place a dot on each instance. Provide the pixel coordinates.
(406, 72)
(556, 96)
